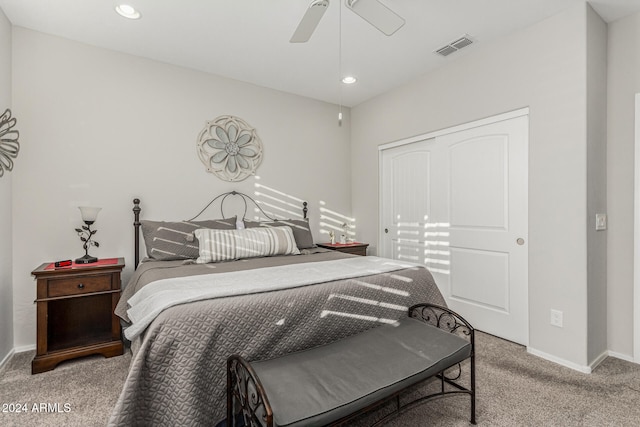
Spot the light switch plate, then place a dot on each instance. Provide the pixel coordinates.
(601, 222)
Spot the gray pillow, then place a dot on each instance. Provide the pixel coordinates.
(175, 240)
(300, 227)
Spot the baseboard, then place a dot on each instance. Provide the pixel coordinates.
(585, 369)
(593, 365)
(621, 356)
(7, 358)
(14, 351)
(24, 348)
(555, 359)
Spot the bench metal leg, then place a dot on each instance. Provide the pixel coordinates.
(448, 320)
(246, 397)
(473, 385)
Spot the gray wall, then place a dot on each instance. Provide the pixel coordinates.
(623, 84)
(544, 68)
(596, 185)
(106, 127)
(6, 299)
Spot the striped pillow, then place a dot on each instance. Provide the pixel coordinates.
(223, 245)
(300, 228)
(174, 240)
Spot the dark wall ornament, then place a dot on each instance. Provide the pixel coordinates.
(9, 145)
(230, 148)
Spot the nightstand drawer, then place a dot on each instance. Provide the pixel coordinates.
(354, 248)
(79, 285)
(359, 250)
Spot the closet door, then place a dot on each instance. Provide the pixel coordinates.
(406, 205)
(457, 203)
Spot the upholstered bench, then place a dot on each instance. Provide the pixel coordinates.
(331, 384)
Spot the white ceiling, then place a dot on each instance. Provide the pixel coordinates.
(248, 40)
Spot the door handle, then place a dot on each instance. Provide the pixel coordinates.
(386, 230)
(520, 241)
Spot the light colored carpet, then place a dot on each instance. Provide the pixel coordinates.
(514, 389)
(90, 386)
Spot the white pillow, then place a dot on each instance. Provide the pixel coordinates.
(223, 245)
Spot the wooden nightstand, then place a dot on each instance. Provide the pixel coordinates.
(354, 248)
(75, 312)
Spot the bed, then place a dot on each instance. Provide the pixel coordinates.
(259, 307)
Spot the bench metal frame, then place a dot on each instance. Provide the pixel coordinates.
(248, 404)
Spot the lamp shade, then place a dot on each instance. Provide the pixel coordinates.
(89, 214)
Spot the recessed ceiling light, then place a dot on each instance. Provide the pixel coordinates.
(128, 11)
(349, 80)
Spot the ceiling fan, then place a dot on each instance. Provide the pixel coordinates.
(372, 11)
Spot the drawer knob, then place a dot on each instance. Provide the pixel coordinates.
(81, 286)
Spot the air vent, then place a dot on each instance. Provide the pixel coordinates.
(447, 50)
(455, 46)
(461, 42)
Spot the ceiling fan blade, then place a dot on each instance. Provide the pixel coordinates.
(309, 21)
(377, 14)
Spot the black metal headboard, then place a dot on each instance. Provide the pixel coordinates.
(223, 197)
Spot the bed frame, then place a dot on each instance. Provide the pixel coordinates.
(222, 197)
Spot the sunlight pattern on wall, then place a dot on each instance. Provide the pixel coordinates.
(276, 203)
(338, 223)
(281, 205)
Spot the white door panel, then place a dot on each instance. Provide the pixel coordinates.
(479, 199)
(461, 211)
(409, 170)
(487, 285)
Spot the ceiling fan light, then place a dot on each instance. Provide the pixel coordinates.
(377, 14)
(349, 80)
(128, 11)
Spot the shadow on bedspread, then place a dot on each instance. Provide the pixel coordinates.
(178, 375)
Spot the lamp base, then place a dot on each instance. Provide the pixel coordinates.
(87, 259)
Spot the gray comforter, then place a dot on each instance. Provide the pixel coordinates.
(178, 373)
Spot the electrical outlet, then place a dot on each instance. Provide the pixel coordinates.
(556, 318)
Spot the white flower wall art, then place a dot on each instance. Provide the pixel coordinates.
(9, 145)
(230, 148)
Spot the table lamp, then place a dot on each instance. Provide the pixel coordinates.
(89, 215)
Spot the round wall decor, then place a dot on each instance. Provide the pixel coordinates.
(230, 148)
(9, 145)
